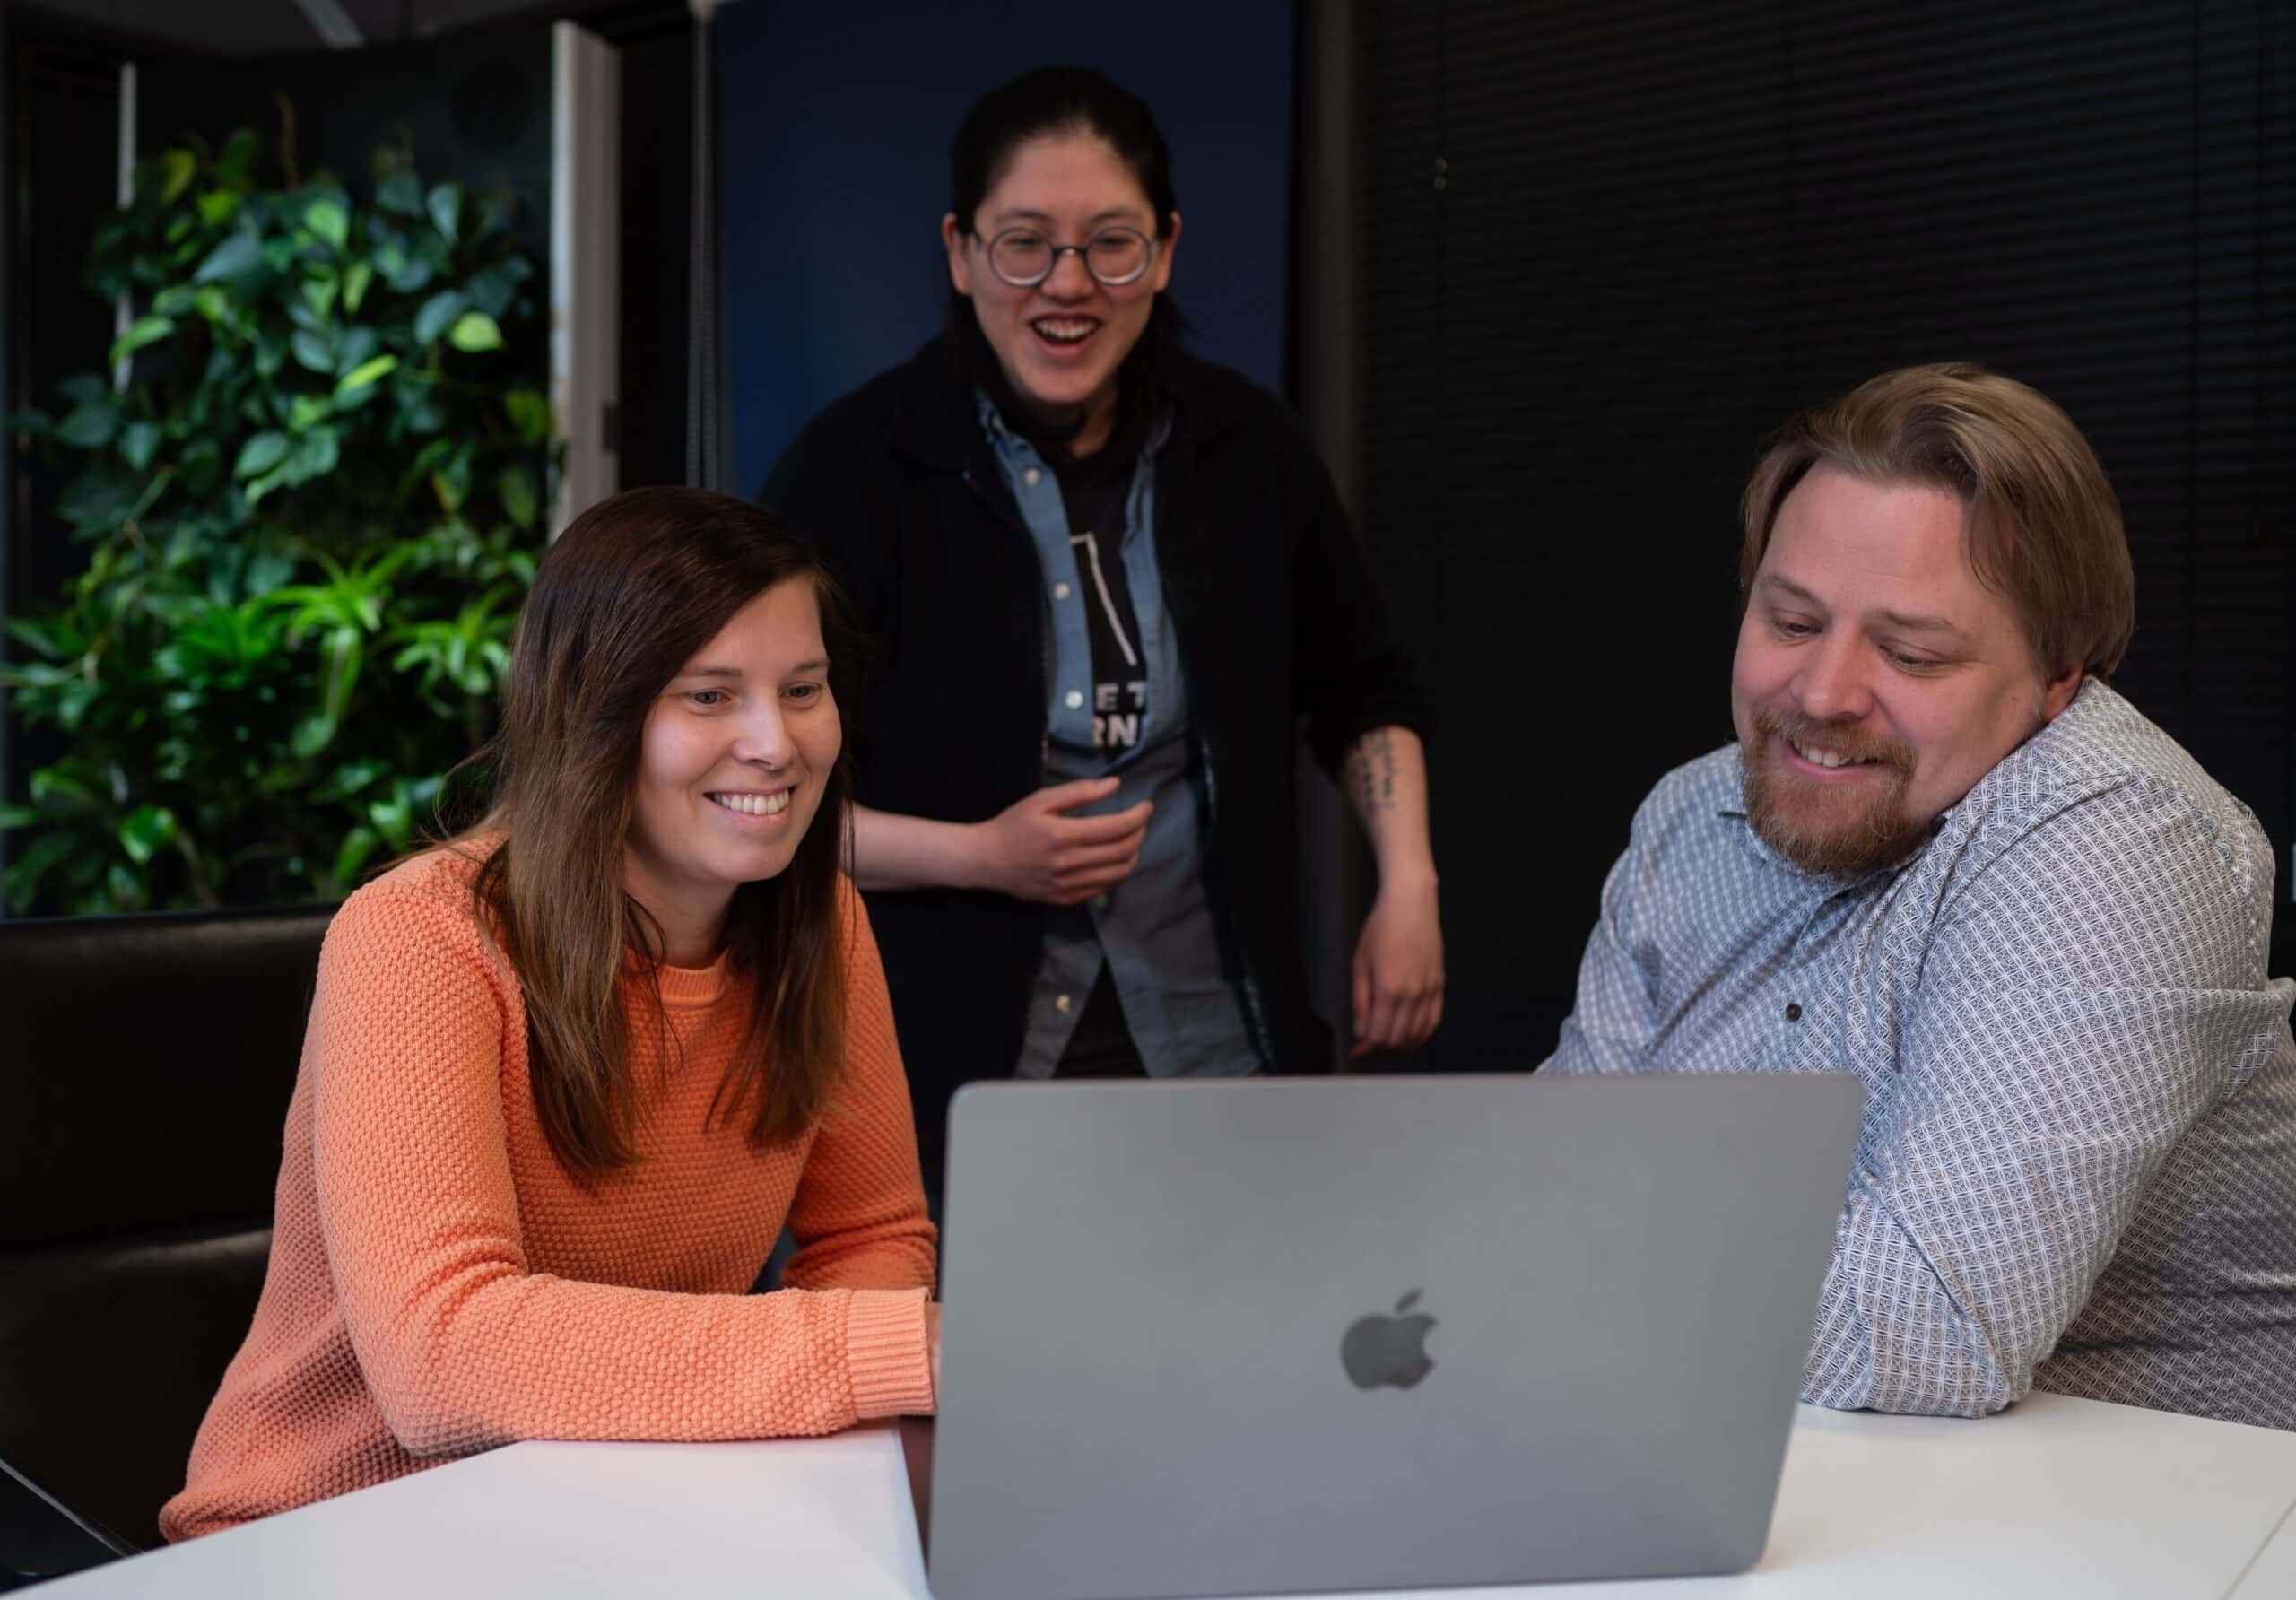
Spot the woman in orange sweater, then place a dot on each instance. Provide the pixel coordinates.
(567, 1076)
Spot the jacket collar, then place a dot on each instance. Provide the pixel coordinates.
(935, 420)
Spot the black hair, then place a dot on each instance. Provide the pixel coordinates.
(1051, 102)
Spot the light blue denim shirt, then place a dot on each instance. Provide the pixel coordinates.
(1157, 932)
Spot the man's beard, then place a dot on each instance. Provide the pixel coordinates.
(1848, 829)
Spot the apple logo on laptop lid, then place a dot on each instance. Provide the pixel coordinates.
(1389, 1350)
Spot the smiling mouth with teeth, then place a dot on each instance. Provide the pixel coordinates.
(755, 805)
(1827, 747)
(1054, 330)
(1819, 757)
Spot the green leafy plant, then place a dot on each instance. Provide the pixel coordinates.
(310, 519)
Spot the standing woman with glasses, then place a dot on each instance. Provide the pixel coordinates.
(1106, 581)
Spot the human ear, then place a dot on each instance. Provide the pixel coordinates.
(2058, 693)
(960, 266)
(1165, 248)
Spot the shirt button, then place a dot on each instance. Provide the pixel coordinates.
(1793, 1012)
(1060, 591)
(1060, 1004)
(1075, 699)
(1099, 902)
(1032, 477)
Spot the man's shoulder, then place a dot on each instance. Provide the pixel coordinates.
(2100, 761)
(2103, 804)
(1701, 795)
(1691, 826)
(2103, 738)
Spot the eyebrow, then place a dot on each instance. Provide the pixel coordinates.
(1905, 624)
(818, 664)
(1903, 621)
(1022, 215)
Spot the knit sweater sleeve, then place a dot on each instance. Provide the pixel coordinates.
(461, 1345)
(859, 1215)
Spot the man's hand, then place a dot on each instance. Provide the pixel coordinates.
(1033, 850)
(1398, 970)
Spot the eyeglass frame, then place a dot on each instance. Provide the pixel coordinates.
(1081, 252)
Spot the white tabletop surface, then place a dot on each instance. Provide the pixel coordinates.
(2273, 1577)
(2057, 1497)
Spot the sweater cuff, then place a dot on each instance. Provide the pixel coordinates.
(886, 1353)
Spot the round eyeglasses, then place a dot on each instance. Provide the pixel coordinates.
(1024, 257)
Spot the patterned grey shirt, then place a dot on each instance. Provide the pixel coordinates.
(2077, 1168)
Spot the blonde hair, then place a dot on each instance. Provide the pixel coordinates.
(2044, 525)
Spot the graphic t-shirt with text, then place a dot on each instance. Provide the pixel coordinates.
(1093, 492)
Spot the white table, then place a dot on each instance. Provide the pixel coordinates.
(2273, 1575)
(2057, 1497)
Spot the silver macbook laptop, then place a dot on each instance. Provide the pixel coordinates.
(1245, 1337)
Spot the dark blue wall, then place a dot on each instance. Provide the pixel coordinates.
(835, 123)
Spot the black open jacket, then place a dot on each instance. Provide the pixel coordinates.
(1267, 588)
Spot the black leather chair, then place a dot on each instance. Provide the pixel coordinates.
(145, 1066)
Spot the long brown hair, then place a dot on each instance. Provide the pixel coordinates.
(631, 591)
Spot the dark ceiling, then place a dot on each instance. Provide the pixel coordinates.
(261, 27)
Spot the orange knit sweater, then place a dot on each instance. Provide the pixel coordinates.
(440, 1284)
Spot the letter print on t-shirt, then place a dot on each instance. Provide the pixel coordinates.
(1119, 671)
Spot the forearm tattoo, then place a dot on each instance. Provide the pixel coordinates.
(1371, 771)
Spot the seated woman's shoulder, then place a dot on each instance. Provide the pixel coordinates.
(446, 868)
(422, 886)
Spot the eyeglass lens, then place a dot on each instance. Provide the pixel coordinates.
(1021, 256)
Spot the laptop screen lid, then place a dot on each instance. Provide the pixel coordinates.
(1243, 1337)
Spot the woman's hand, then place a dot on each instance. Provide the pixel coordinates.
(1398, 970)
(1033, 850)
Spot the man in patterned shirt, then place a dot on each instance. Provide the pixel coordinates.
(1945, 856)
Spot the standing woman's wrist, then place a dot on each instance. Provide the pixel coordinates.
(1414, 875)
(969, 857)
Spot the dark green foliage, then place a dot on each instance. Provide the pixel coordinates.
(311, 521)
